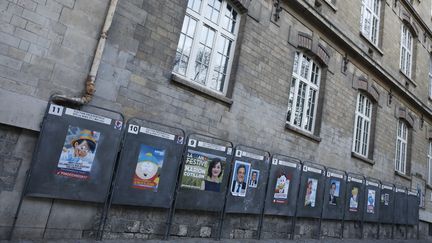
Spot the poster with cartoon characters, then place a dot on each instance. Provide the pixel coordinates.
(148, 168)
(78, 153)
(281, 188)
(202, 171)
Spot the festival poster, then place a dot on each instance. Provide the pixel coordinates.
(371, 201)
(281, 187)
(202, 171)
(353, 203)
(148, 168)
(78, 153)
(254, 178)
(240, 178)
(311, 191)
(334, 191)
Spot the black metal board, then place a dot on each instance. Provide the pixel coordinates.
(386, 203)
(76, 153)
(309, 202)
(413, 208)
(250, 170)
(195, 190)
(400, 207)
(148, 165)
(283, 186)
(371, 200)
(334, 194)
(354, 197)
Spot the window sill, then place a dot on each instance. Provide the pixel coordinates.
(364, 159)
(201, 90)
(428, 186)
(403, 175)
(375, 47)
(331, 5)
(408, 78)
(303, 133)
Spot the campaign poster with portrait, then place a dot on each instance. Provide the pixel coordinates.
(240, 178)
(371, 201)
(385, 199)
(149, 165)
(311, 190)
(281, 188)
(202, 171)
(353, 202)
(334, 191)
(254, 178)
(78, 153)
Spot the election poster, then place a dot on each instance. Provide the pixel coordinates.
(148, 168)
(78, 153)
(280, 194)
(371, 201)
(202, 171)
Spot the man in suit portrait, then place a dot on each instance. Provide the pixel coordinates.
(239, 185)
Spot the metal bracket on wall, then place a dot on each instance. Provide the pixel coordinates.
(278, 9)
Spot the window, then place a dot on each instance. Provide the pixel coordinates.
(362, 125)
(430, 77)
(406, 51)
(206, 45)
(401, 147)
(370, 19)
(430, 163)
(302, 103)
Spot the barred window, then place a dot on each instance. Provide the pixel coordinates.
(370, 19)
(206, 45)
(362, 125)
(303, 96)
(401, 147)
(406, 51)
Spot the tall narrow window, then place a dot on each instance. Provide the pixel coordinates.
(401, 147)
(303, 94)
(362, 125)
(206, 46)
(430, 77)
(430, 163)
(370, 19)
(406, 51)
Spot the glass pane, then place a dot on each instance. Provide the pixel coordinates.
(300, 104)
(310, 110)
(194, 5)
(291, 99)
(305, 64)
(296, 60)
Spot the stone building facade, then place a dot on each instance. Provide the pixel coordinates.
(47, 46)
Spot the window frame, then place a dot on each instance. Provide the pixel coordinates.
(366, 107)
(406, 47)
(430, 77)
(220, 34)
(296, 75)
(402, 138)
(429, 157)
(373, 36)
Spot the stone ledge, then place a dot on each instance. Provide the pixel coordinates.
(201, 90)
(331, 5)
(364, 159)
(403, 175)
(303, 133)
(408, 78)
(375, 47)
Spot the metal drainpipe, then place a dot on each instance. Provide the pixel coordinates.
(90, 82)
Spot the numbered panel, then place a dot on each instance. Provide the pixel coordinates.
(401, 204)
(283, 186)
(204, 175)
(413, 208)
(334, 195)
(387, 203)
(310, 200)
(354, 197)
(76, 153)
(372, 198)
(148, 165)
(248, 181)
